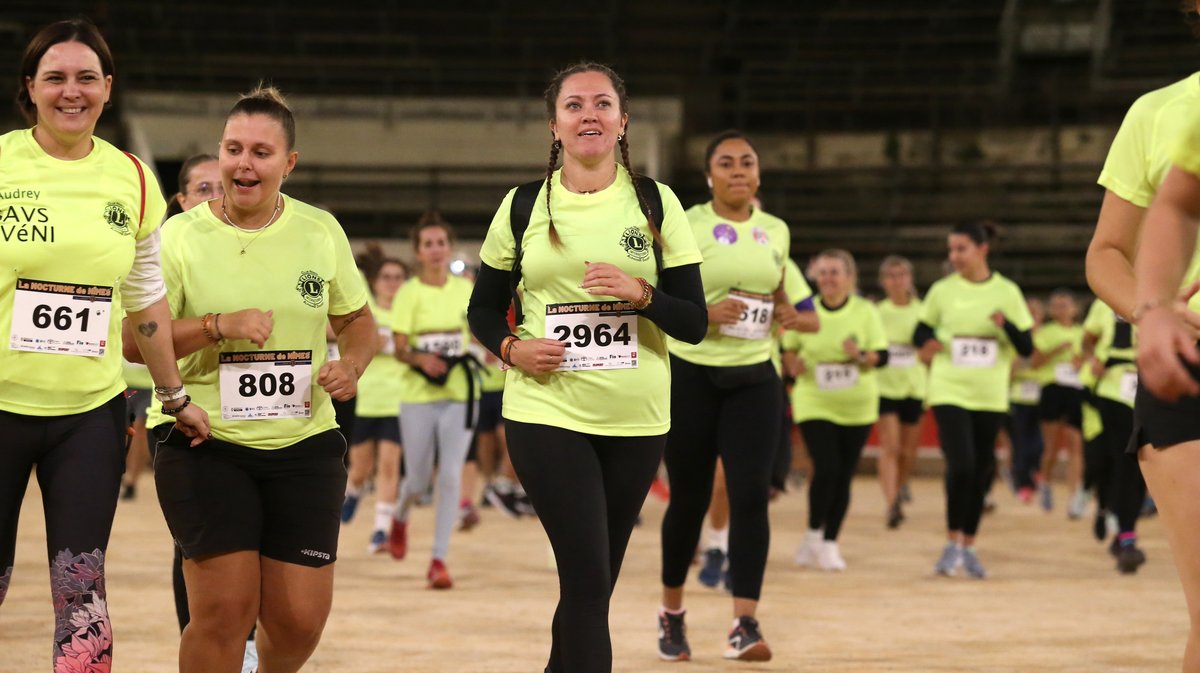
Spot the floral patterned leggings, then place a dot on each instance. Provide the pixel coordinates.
(78, 459)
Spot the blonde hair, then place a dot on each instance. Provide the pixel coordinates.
(847, 260)
(893, 261)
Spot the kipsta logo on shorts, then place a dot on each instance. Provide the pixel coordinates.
(118, 218)
(636, 244)
(311, 288)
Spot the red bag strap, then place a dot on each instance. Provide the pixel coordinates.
(142, 180)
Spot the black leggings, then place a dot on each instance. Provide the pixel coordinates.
(587, 491)
(1127, 488)
(79, 459)
(968, 440)
(835, 450)
(740, 425)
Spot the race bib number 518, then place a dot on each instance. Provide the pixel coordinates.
(60, 318)
(599, 335)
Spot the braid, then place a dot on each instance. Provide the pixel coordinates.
(554, 148)
(654, 226)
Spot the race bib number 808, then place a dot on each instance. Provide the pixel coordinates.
(265, 385)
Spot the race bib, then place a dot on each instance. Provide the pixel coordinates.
(449, 344)
(389, 341)
(1029, 391)
(60, 318)
(1129, 384)
(265, 385)
(1066, 375)
(836, 376)
(901, 356)
(599, 335)
(755, 321)
(974, 352)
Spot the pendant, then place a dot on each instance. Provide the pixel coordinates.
(243, 253)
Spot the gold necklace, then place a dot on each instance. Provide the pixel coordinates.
(567, 183)
(259, 231)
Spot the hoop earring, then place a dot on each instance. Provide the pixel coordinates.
(557, 144)
(620, 137)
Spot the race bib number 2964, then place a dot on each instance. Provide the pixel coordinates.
(599, 335)
(60, 318)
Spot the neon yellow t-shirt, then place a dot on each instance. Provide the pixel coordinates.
(607, 226)
(136, 376)
(904, 377)
(68, 231)
(833, 388)
(301, 268)
(972, 370)
(739, 257)
(1115, 340)
(794, 285)
(1143, 149)
(434, 319)
(379, 387)
(1052, 335)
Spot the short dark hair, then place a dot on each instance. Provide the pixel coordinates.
(79, 30)
(979, 231)
(721, 137)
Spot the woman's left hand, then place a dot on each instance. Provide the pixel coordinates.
(851, 347)
(607, 279)
(339, 378)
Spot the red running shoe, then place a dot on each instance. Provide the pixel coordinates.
(438, 576)
(660, 490)
(398, 540)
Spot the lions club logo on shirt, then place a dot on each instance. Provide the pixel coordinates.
(311, 288)
(118, 218)
(760, 235)
(636, 244)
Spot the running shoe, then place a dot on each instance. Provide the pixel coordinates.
(468, 517)
(1078, 503)
(438, 576)
(349, 507)
(524, 504)
(746, 642)
(830, 557)
(1045, 496)
(398, 539)
(1025, 494)
(905, 493)
(250, 658)
(129, 492)
(660, 490)
(948, 564)
(1100, 525)
(972, 565)
(672, 637)
(895, 515)
(714, 565)
(503, 502)
(1129, 558)
(806, 553)
(378, 543)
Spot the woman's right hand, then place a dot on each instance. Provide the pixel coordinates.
(430, 363)
(537, 356)
(930, 349)
(728, 311)
(793, 364)
(250, 324)
(193, 422)
(1164, 337)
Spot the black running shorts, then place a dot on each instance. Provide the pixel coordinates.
(1061, 403)
(284, 503)
(910, 409)
(1163, 424)
(376, 429)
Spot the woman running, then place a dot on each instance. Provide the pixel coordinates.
(901, 384)
(606, 274)
(377, 409)
(254, 279)
(972, 324)
(1024, 430)
(429, 325)
(835, 399)
(726, 395)
(1057, 351)
(82, 254)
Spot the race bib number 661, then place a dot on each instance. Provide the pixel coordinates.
(599, 335)
(60, 318)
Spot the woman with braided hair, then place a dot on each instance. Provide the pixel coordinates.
(608, 268)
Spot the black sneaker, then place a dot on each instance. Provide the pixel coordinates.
(1100, 525)
(504, 502)
(129, 492)
(524, 504)
(746, 642)
(672, 637)
(714, 566)
(895, 515)
(1129, 558)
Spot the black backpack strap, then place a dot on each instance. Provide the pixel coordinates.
(519, 212)
(654, 203)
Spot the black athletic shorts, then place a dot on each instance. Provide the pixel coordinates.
(1060, 403)
(285, 503)
(910, 409)
(1161, 424)
(376, 429)
(491, 404)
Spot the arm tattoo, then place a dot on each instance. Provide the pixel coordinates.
(147, 329)
(349, 318)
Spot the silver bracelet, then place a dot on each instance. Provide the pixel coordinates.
(169, 394)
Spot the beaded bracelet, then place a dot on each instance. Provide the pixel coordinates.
(204, 328)
(187, 399)
(506, 347)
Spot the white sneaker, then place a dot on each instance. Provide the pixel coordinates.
(250, 658)
(830, 557)
(809, 549)
(1078, 503)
